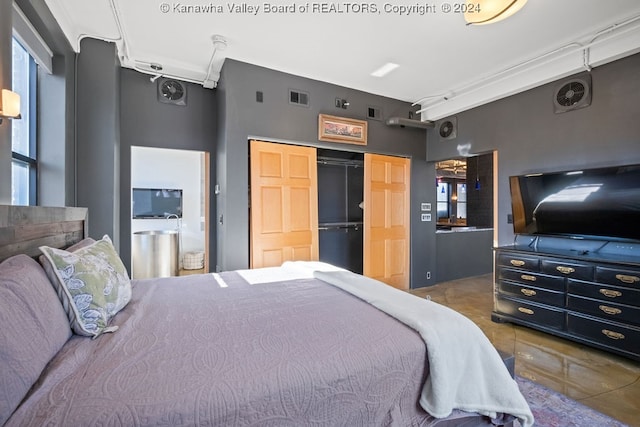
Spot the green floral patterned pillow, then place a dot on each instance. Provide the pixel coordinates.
(92, 284)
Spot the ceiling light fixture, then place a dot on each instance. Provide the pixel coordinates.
(9, 105)
(480, 12)
(385, 69)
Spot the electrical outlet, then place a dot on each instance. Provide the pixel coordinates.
(428, 275)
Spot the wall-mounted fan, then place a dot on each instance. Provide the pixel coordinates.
(447, 128)
(171, 91)
(572, 94)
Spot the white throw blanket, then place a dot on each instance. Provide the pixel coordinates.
(465, 370)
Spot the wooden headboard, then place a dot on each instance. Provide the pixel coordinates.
(23, 229)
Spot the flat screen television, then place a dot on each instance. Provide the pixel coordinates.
(590, 203)
(156, 202)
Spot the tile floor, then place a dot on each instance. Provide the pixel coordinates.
(606, 382)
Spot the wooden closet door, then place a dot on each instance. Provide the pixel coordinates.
(386, 219)
(284, 204)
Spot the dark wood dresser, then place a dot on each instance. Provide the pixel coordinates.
(584, 290)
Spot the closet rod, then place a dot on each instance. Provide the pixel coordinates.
(338, 162)
(340, 226)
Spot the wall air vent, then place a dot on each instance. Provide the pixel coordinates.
(447, 128)
(298, 97)
(171, 91)
(374, 113)
(572, 94)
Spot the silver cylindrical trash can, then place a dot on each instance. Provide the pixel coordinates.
(155, 254)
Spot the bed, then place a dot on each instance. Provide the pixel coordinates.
(284, 346)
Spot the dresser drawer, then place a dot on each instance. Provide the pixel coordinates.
(530, 293)
(530, 312)
(618, 276)
(532, 279)
(567, 269)
(518, 261)
(611, 334)
(604, 292)
(609, 311)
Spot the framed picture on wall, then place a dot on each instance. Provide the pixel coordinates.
(340, 129)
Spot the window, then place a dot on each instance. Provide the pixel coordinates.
(452, 201)
(461, 202)
(443, 201)
(23, 132)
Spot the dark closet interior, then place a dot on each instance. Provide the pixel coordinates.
(340, 215)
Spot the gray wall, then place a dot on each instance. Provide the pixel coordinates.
(529, 137)
(144, 121)
(463, 254)
(98, 136)
(480, 200)
(56, 133)
(242, 118)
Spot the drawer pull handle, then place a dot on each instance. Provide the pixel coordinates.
(565, 270)
(610, 310)
(611, 294)
(528, 277)
(613, 335)
(525, 310)
(528, 292)
(516, 262)
(627, 279)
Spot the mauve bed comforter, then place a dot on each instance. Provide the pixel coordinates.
(192, 352)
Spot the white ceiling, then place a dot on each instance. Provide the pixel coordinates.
(439, 56)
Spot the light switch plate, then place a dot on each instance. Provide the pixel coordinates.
(426, 217)
(425, 206)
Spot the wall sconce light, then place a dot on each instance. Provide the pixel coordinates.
(9, 105)
(342, 103)
(480, 12)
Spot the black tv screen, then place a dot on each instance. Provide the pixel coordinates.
(601, 203)
(156, 202)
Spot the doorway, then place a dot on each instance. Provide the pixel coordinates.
(466, 205)
(183, 174)
(341, 210)
(465, 192)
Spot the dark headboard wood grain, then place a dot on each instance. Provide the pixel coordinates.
(23, 229)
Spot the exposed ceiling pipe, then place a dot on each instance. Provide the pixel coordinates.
(213, 70)
(567, 49)
(116, 17)
(479, 84)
